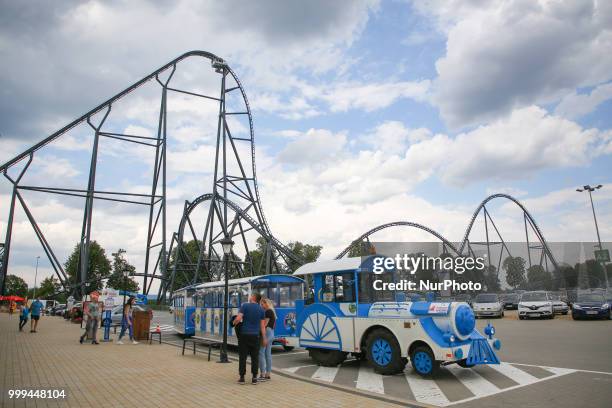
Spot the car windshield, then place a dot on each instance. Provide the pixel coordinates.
(486, 298)
(533, 296)
(512, 298)
(590, 297)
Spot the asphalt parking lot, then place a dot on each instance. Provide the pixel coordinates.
(545, 363)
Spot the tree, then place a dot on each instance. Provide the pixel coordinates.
(364, 248)
(117, 278)
(99, 267)
(14, 285)
(491, 280)
(48, 288)
(307, 252)
(515, 271)
(539, 279)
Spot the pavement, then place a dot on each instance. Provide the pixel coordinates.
(110, 375)
(545, 363)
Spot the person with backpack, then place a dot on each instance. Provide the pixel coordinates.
(265, 350)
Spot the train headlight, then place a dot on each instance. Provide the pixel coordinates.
(449, 337)
(489, 330)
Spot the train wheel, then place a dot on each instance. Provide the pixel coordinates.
(327, 358)
(384, 353)
(423, 361)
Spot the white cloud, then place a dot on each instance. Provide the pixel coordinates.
(313, 147)
(505, 55)
(576, 105)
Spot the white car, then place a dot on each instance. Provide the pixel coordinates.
(488, 305)
(559, 306)
(536, 304)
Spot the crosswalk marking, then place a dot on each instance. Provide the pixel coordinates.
(327, 374)
(425, 390)
(368, 380)
(515, 374)
(473, 381)
(294, 369)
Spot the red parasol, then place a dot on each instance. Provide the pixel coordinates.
(13, 298)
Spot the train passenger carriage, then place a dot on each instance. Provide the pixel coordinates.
(200, 307)
(346, 315)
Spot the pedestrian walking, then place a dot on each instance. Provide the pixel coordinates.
(265, 351)
(35, 309)
(92, 311)
(127, 321)
(252, 334)
(23, 315)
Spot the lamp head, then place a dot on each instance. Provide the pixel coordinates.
(227, 245)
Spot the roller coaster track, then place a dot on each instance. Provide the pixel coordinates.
(465, 242)
(224, 184)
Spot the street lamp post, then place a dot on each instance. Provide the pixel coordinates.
(227, 245)
(590, 190)
(36, 275)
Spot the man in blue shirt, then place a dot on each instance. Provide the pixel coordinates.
(35, 310)
(253, 325)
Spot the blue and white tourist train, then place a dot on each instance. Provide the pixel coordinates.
(347, 315)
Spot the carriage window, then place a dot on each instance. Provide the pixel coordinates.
(244, 294)
(338, 288)
(296, 291)
(327, 292)
(345, 287)
(285, 294)
(234, 296)
(384, 295)
(273, 294)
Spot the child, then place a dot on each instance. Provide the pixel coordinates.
(23, 316)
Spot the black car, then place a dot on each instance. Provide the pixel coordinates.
(511, 301)
(591, 306)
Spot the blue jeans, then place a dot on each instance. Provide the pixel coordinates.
(265, 353)
(125, 325)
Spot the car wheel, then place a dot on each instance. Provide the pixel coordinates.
(423, 361)
(502, 314)
(565, 313)
(384, 353)
(521, 317)
(574, 317)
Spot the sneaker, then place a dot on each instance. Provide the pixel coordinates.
(267, 377)
(241, 381)
(254, 381)
(134, 342)
(81, 340)
(94, 342)
(119, 342)
(261, 378)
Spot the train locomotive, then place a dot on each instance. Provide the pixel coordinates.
(345, 315)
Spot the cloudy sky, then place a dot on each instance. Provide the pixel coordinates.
(365, 112)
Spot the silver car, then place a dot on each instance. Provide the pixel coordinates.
(488, 305)
(559, 306)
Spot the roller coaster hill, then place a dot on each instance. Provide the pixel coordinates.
(232, 208)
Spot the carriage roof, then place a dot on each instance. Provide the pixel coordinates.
(250, 279)
(334, 265)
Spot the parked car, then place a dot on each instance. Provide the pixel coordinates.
(488, 305)
(559, 306)
(511, 301)
(536, 304)
(591, 306)
(54, 310)
(117, 313)
(464, 297)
